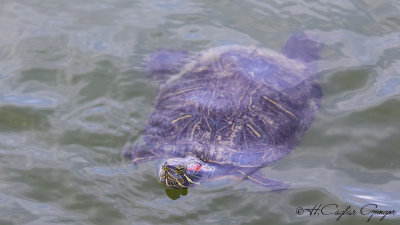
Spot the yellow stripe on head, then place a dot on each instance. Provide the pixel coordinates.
(179, 183)
(190, 180)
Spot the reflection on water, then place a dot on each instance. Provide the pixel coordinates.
(359, 196)
(176, 193)
(73, 93)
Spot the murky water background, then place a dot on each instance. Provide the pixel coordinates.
(73, 93)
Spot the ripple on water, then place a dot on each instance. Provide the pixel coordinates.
(73, 92)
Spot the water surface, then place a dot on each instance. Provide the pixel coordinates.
(73, 93)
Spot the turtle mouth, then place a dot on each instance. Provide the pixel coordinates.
(172, 180)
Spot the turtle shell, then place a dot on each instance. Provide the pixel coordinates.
(240, 106)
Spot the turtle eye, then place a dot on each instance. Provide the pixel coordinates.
(180, 170)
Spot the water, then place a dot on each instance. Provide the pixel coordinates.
(73, 93)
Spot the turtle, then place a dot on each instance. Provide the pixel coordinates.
(229, 110)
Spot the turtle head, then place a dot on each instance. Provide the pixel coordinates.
(182, 172)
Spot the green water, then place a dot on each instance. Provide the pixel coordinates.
(73, 93)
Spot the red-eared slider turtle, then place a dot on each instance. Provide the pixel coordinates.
(229, 110)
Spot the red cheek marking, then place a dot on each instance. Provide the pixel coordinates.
(194, 167)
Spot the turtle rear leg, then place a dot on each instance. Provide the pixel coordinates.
(302, 46)
(164, 63)
(259, 178)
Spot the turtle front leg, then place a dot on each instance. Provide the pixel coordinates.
(257, 177)
(138, 153)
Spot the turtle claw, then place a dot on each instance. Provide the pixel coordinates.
(276, 186)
